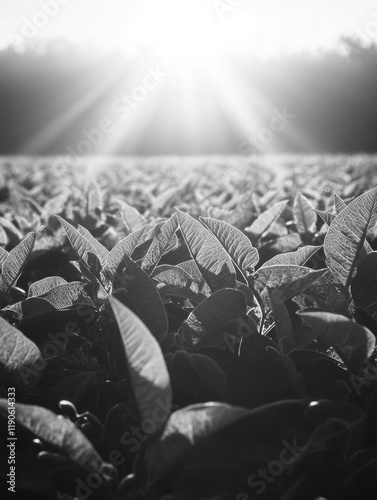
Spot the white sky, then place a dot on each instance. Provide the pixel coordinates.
(259, 27)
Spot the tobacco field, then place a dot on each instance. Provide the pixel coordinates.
(176, 328)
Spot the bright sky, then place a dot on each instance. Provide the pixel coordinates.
(192, 28)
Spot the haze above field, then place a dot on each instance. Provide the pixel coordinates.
(187, 76)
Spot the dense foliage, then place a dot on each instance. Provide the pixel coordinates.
(178, 332)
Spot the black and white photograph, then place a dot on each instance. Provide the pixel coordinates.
(188, 249)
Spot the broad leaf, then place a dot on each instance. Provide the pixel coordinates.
(58, 432)
(146, 364)
(186, 428)
(3, 239)
(212, 260)
(221, 307)
(101, 251)
(43, 286)
(124, 247)
(353, 343)
(325, 293)
(160, 245)
(262, 225)
(239, 436)
(128, 245)
(243, 213)
(298, 258)
(175, 281)
(3, 256)
(15, 262)
(364, 285)
(20, 358)
(13, 233)
(238, 246)
(131, 217)
(304, 215)
(326, 216)
(339, 204)
(67, 295)
(94, 198)
(289, 280)
(221, 214)
(345, 242)
(284, 244)
(33, 306)
(139, 289)
(192, 269)
(83, 248)
(283, 324)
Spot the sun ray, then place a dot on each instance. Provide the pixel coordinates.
(51, 132)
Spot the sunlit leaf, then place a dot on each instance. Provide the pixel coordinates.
(262, 225)
(237, 245)
(131, 217)
(326, 216)
(345, 242)
(298, 258)
(101, 251)
(67, 295)
(43, 286)
(128, 245)
(83, 248)
(212, 260)
(146, 364)
(13, 233)
(3, 256)
(16, 259)
(340, 205)
(20, 358)
(160, 245)
(304, 215)
(94, 197)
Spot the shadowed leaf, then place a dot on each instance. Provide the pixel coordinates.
(216, 310)
(58, 432)
(353, 343)
(138, 287)
(364, 285)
